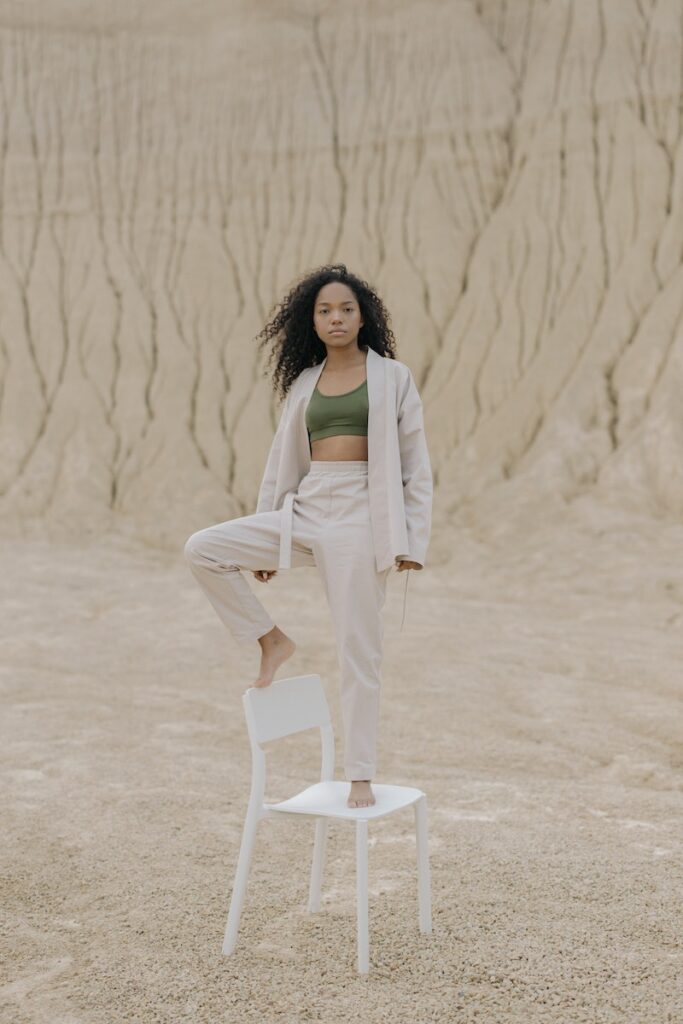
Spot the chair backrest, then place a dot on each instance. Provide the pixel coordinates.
(285, 707)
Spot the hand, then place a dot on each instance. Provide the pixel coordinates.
(405, 564)
(263, 575)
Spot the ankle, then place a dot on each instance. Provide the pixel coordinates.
(274, 634)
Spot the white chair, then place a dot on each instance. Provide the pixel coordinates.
(288, 706)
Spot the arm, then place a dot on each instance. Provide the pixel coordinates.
(266, 493)
(416, 471)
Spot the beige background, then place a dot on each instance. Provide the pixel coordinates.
(508, 175)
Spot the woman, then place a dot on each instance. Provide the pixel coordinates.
(347, 487)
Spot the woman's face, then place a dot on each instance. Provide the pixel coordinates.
(336, 309)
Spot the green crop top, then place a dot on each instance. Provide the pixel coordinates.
(327, 415)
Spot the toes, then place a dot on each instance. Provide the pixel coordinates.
(359, 802)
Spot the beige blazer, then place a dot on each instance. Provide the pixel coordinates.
(400, 482)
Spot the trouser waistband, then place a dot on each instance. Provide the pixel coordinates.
(341, 467)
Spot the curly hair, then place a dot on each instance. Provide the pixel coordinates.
(297, 345)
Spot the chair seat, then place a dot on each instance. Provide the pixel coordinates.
(328, 799)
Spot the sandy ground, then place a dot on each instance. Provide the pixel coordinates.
(534, 694)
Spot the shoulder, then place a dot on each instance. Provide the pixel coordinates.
(305, 373)
(395, 366)
(298, 380)
(400, 371)
(403, 375)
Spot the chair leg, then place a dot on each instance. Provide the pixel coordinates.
(424, 898)
(239, 888)
(317, 867)
(362, 894)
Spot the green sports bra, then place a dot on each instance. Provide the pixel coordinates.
(327, 415)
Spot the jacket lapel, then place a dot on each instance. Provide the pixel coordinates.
(309, 379)
(380, 412)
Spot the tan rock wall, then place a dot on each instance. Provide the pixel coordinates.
(509, 176)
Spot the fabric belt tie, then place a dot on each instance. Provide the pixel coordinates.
(405, 594)
(285, 561)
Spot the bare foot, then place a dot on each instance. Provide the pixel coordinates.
(276, 647)
(361, 794)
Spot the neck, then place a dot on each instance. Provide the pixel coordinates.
(345, 358)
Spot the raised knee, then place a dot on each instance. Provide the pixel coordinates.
(201, 549)
(192, 549)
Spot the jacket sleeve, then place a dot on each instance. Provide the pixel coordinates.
(266, 493)
(416, 470)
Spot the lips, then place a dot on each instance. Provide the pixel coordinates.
(337, 332)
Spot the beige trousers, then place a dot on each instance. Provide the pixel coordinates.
(330, 520)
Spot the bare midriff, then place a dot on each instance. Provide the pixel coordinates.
(339, 448)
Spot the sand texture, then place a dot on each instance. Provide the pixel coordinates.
(509, 176)
(544, 726)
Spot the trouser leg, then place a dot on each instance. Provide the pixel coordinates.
(356, 594)
(218, 553)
